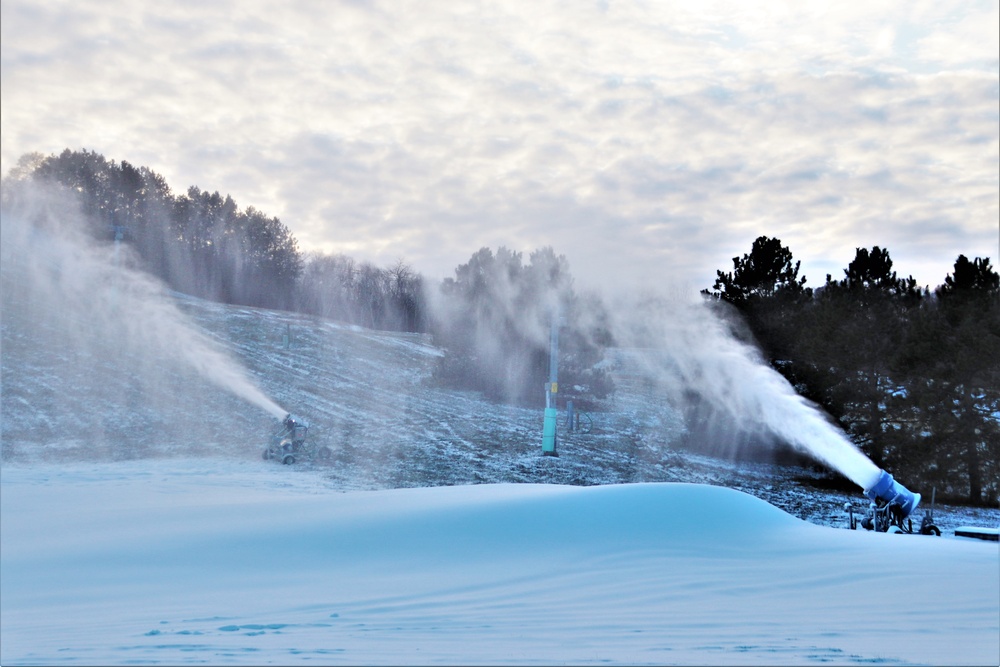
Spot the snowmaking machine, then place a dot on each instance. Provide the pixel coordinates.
(890, 509)
(289, 443)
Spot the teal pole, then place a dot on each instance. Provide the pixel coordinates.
(549, 433)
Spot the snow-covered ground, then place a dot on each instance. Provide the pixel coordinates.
(139, 524)
(210, 560)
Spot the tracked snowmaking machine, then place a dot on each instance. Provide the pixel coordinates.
(890, 509)
(289, 443)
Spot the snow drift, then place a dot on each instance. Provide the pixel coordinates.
(184, 561)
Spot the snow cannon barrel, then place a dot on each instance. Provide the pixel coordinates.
(890, 492)
(292, 429)
(291, 421)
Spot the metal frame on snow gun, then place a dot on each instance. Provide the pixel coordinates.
(890, 509)
(289, 444)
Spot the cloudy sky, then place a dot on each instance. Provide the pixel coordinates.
(647, 141)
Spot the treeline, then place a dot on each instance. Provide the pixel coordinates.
(200, 243)
(203, 244)
(912, 375)
(338, 287)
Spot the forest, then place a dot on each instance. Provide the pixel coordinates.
(911, 374)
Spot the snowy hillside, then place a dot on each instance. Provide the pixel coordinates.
(368, 395)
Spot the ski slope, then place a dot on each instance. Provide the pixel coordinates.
(139, 525)
(207, 560)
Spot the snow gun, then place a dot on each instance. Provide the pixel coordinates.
(891, 493)
(289, 443)
(891, 507)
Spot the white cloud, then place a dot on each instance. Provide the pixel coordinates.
(639, 139)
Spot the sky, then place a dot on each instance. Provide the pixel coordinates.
(649, 142)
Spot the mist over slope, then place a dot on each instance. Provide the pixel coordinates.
(100, 362)
(368, 395)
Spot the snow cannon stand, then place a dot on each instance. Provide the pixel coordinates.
(890, 509)
(290, 443)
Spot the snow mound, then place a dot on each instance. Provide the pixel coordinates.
(201, 560)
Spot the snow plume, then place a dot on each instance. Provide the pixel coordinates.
(107, 332)
(695, 362)
(495, 318)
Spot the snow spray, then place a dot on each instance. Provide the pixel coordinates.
(690, 353)
(99, 304)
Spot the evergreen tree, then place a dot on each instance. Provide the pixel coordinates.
(952, 363)
(863, 319)
(975, 278)
(765, 272)
(766, 288)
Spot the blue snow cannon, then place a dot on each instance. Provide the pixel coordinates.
(890, 508)
(889, 493)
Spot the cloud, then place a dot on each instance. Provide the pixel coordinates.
(645, 141)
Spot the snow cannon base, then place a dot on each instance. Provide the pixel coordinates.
(890, 508)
